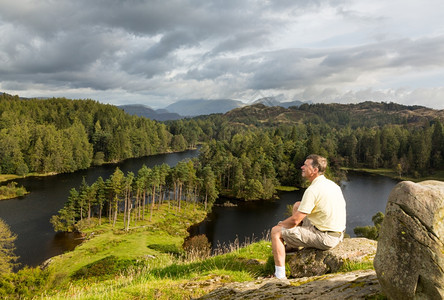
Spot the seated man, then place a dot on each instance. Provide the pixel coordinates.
(318, 221)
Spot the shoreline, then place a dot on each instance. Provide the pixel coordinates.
(14, 197)
(9, 177)
(439, 175)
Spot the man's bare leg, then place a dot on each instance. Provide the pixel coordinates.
(278, 247)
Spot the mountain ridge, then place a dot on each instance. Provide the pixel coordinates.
(147, 112)
(197, 107)
(354, 115)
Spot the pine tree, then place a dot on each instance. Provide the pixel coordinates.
(7, 257)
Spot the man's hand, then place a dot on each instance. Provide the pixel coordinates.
(293, 221)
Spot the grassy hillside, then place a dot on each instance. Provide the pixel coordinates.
(148, 262)
(169, 276)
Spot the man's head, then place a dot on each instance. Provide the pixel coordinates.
(314, 166)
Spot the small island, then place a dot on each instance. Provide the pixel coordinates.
(11, 190)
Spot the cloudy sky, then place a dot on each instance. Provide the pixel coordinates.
(159, 52)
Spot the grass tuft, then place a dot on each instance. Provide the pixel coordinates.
(349, 266)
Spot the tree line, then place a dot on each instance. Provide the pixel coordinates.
(250, 155)
(134, 195)
(60, 135)
(413, 147)
(249, 161)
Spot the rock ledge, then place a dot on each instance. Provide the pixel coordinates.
(352, 285)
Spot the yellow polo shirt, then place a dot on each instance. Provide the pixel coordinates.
(324, 204)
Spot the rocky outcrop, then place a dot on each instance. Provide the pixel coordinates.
(352, 285)
(410, 258)
(311, 267)
(314, 262)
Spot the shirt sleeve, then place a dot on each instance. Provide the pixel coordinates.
(307, 202)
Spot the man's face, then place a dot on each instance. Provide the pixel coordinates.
(307, 169)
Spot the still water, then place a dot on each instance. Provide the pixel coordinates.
(29, 216)
(365, 195)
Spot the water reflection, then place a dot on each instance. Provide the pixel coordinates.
(365, 194)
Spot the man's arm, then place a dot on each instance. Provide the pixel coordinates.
(294, 220)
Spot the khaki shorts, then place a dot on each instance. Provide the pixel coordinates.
(309, 236)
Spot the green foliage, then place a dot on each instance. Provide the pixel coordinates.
(350, 266)
(269, 267)
(373, 135)
(165, 248)
(197, 246)
(370, 232)
(234, 261)
(161, 278)
(244, 166)
(67, 216)
(59, 135)
(178, 143)
(105, 268)
(11, 190)
(377, 296)
(26, 283)
(130, 194)
(7, 257)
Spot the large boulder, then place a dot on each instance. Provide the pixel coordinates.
(409, 261)
(314, 262)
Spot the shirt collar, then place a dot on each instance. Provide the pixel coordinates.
(319, 178)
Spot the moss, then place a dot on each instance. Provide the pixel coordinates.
(378, 296)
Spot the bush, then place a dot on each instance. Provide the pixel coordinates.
(370, 232)
(165, 248)
(104, 268)
(26, 283)
(11, 191)
(197, 246)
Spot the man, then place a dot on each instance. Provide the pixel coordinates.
(318, 221)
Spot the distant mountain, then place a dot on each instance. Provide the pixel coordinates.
(272, 101)
(296, 103)
(267, 101)
(144, 111)
(196, 107)
(259, 114)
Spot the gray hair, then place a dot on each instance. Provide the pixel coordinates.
(319, 162)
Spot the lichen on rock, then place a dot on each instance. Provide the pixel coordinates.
(410, 256)
(314, 262)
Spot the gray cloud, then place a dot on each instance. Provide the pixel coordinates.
(167, 50)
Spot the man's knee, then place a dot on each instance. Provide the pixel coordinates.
(276, 231)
